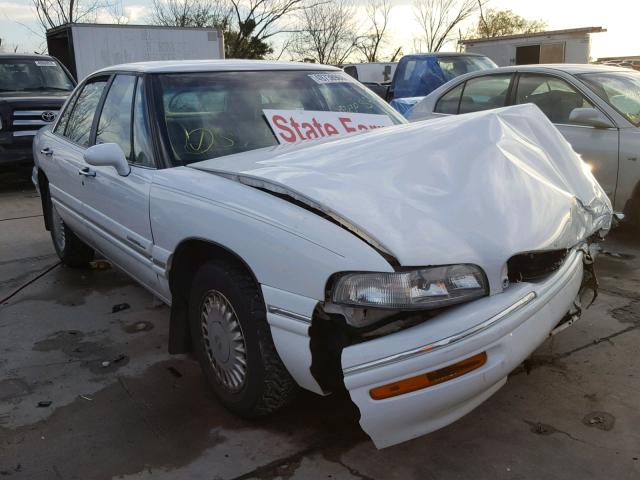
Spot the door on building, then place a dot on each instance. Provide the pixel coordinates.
(541, 53)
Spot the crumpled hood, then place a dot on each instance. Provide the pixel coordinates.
(476, 188)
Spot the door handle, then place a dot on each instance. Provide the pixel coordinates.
(87, 172)
(46, 151)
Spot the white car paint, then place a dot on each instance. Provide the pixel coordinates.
(476, 189)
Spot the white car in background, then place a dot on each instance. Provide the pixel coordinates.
(595, 107)
(305, 235)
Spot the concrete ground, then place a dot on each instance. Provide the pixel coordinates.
(121, 407)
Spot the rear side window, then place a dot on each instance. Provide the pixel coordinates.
(78, 128)
(449, 102)
(64, 116)
(115, 120)
(485, 93)
(555, 97)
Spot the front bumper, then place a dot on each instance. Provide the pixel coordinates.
(15, 149)
(508, 327)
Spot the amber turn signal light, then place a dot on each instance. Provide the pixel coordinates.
(429, 379)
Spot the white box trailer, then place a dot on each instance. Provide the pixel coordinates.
(85, 47)
(372, 72)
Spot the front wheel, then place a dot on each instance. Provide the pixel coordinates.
(72, 251)
(232, 341)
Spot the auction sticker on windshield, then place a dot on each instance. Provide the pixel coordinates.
(330, 78)
(294, 126)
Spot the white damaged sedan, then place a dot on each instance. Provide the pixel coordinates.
(305, 235)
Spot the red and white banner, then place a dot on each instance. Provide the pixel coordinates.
(294, 126)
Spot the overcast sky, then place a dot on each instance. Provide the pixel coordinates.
(619, 17)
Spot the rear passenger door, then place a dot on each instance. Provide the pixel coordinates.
(117, 207)
(557, 98)
(61, 152)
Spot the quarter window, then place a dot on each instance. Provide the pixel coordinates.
(78, 128)
(555, 97)
(485, 93)
(449, 102)
(115, 120)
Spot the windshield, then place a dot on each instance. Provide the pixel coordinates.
(26, 75)
(459, 65)
(209, 115)
(621, 90)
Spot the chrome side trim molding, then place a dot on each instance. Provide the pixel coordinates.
(286, 313)
(442, 343)
(25, 133)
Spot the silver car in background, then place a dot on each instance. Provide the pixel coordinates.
(595, 107)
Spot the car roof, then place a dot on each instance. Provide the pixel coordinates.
(446, 54)
(24, 56)
(570, 68)
(185, 66)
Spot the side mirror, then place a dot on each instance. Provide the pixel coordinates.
(590, 117)
(108, 155)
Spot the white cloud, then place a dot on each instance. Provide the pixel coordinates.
(136, 13)
(17, 11)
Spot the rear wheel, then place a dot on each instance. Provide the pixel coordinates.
(72, 251)
(233, 343)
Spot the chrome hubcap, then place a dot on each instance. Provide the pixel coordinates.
(58, 229)
(224, 340)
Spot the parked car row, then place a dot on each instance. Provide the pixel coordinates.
(306, 235)
(418, 75)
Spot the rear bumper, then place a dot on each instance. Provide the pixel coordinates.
(508, 327)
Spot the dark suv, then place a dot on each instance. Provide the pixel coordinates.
(32, 90)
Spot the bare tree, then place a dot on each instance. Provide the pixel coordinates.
(117, 13)
(191, 13)
(256, 21)
(52, 13)
(378, 13)
(438, 19)
(326, 33)
(247, 24)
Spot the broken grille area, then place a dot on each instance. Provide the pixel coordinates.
(532, 266)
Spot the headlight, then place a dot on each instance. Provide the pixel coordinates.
(412, 290)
